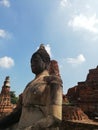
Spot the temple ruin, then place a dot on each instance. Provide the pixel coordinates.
(85, 94)
(5, 100)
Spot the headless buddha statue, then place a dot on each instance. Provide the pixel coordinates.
(41, 104)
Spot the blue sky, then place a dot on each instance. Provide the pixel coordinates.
(68, 29)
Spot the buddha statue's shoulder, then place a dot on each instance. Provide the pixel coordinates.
(52, 79)
(29, 84)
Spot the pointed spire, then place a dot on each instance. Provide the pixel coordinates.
(42, 46)
(7, 81)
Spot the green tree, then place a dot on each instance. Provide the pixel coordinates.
(14, 98)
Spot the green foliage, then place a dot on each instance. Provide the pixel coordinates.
(14, 98)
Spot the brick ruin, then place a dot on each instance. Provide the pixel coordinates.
(85, 94)
(5, 100)
(80, 102)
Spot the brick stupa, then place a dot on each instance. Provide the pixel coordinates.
(5, 101)
(85, 94)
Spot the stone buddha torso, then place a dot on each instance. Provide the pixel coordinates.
(36, 101)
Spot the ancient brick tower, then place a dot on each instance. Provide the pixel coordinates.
(85, 94)
(5, 102)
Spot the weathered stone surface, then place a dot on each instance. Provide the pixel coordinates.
(85, 94)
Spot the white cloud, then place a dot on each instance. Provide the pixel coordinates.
(48, 48)
(5, 3)
(83, 22)
(6, 62)
(88, 6)
(63, 3)
(4, 34)
(76, 61)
